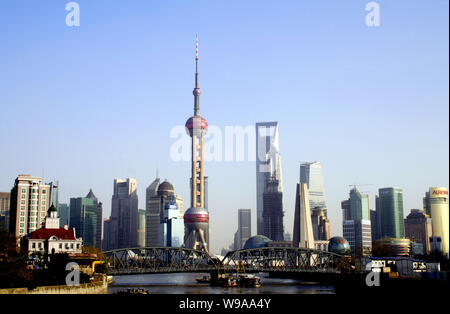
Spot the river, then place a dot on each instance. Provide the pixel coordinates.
(185, 283)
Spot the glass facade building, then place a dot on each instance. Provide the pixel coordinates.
(63, 213)
(390, 213)
(86, 218)
(244, 226)
(268, 165)
(311, 174)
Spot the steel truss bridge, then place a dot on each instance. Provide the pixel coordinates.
(151, 260)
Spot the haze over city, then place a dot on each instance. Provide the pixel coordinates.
(90, 104)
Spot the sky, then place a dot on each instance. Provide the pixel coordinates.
(90, 103)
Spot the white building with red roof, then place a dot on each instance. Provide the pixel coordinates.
(52, 239)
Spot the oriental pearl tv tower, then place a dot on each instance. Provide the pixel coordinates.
(196, 218)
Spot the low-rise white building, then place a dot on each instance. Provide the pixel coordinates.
(52, 239)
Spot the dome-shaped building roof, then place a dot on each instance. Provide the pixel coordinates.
(339, 245)
(166, 188)
(52, 209)
(256, 241)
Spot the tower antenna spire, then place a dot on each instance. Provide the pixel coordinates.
(197, 88)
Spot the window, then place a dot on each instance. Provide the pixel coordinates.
(22, 213)
(71, 245)
(23, 196)
(60, 245)
(22, 218)
(78, 245)
(24, 191)
(21, 225)
(33, 245)
(22, 207)
(22, 202)
(43, 202)
(20, 230)
(44, 191)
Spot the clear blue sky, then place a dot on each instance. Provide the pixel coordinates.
(89, 104)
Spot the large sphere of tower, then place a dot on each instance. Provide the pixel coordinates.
(196, 218)
(196, 125)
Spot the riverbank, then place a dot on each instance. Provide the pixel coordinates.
(97, 287)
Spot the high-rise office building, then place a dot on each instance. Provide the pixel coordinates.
(106, 234)
(244, 226)
(172, 226)
(418, 229)
(426, 204)
(303, 235)
(29, 204)
(86, 218)
(124, 214)
(390, 213)
(345, 205)
(273, 211)
(320, 224)
(438, 200)
(268, 165)
(158, 196)
(357, 229)
(374, 224)
(63, 212)
(4, 210)
(196, 218)
(358, 233)
(311, 174)
(141, 228)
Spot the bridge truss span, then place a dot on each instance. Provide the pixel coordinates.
(150, 260)
(283, 259)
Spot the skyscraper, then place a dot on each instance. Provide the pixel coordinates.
(418, 229)
(440, 216)
(124, 214)
(268, 165)
(357, 229)
(106, 234)
(63, 212)
(390, 213)
(141, 228)
(244, 226)
(86, 219)
(273, 211)
(196, 218)
(311, 174)
(320, 224)
(374, 224)
(303, 235)
(158, 196)
(172, 226)
(29, 204)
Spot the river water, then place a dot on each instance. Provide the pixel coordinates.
(185, 283)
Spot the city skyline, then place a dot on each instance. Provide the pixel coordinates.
(394, 117)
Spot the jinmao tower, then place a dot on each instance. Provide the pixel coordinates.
(196, 218)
